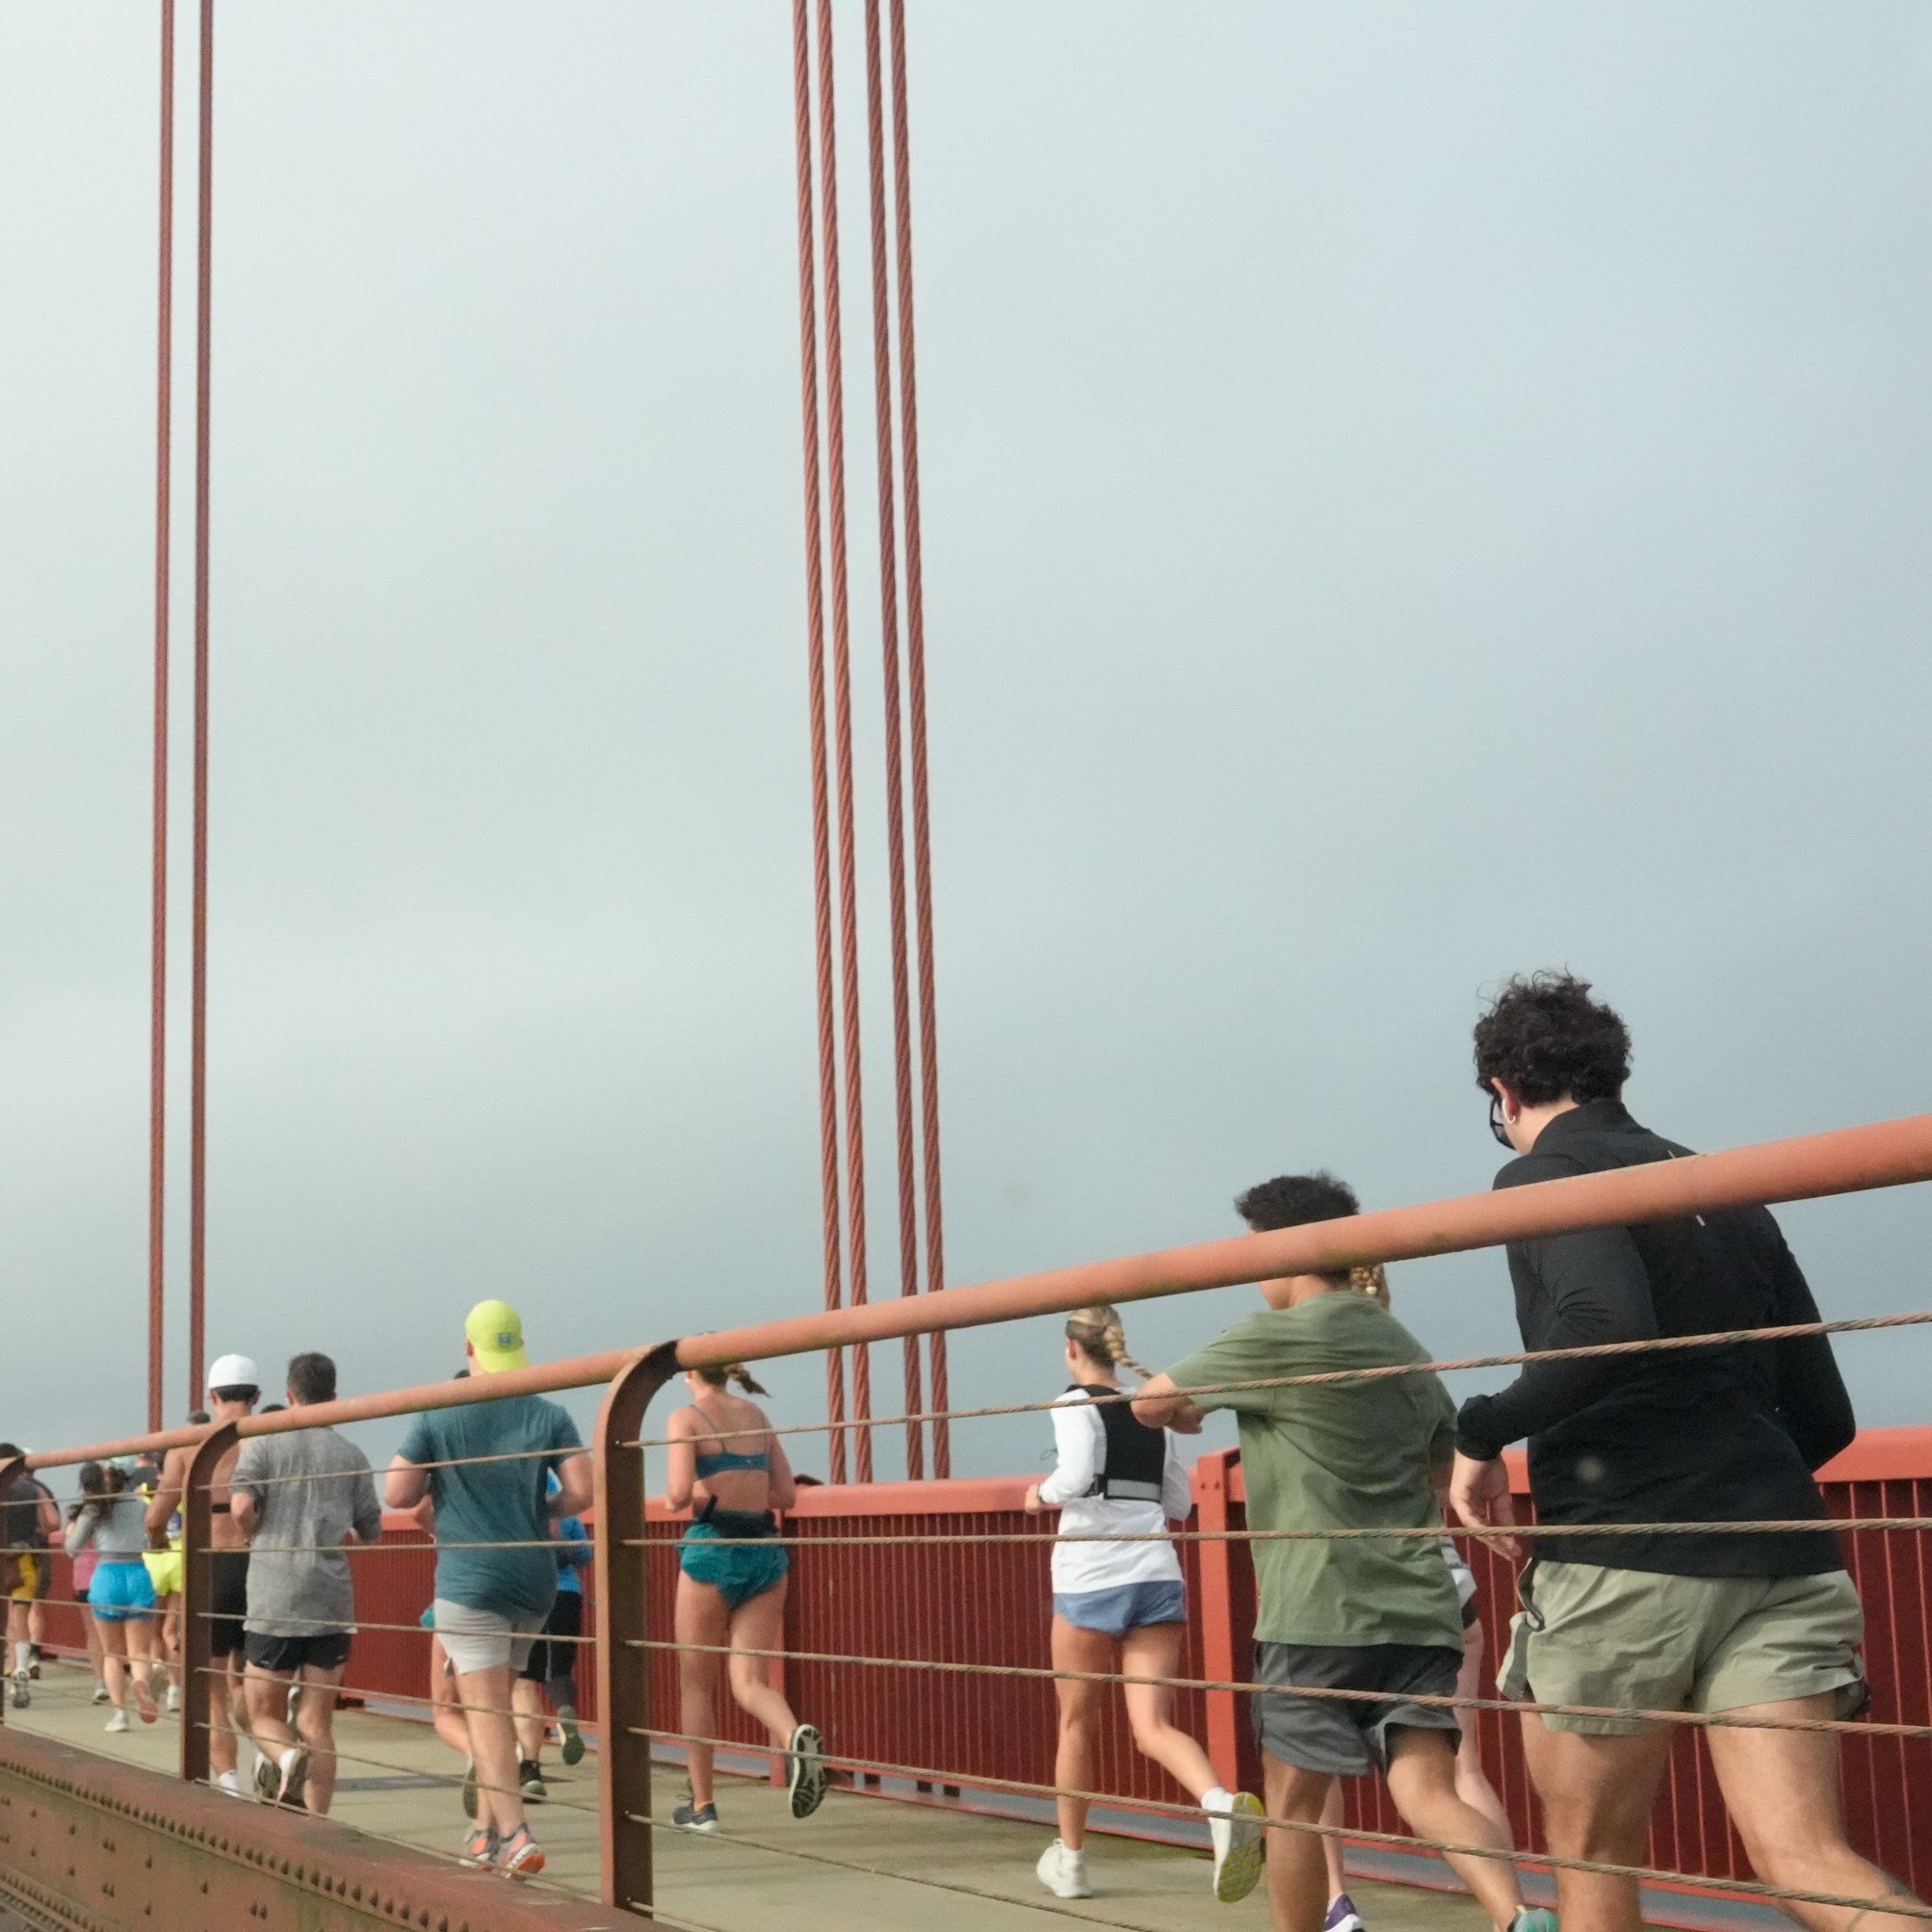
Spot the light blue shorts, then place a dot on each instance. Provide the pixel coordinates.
(121, 1592)
(1132, 1606)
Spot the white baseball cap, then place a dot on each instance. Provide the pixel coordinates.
(234, 1371)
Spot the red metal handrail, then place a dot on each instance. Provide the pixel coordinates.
(1847, 1161)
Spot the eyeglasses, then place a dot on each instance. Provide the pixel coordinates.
(1495, 1125)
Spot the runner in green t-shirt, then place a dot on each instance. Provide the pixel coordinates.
(1348, 1613)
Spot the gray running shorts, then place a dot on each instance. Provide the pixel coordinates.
(1349, 1735)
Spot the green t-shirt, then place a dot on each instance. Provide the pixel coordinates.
(501, 1501)
(1342, 1455)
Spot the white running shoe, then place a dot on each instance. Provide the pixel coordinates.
(230, 1782)
(1063, 1872)
(173, 1700)
(1237, 1849)
(100, 1695)
(22, 1696)
(118, 1722)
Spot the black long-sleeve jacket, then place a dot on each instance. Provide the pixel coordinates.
(1727, 1434)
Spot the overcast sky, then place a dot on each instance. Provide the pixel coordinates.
(1413, 492)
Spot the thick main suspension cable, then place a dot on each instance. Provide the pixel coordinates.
(831, 1184)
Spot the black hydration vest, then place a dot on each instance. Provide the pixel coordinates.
(1135, 1456)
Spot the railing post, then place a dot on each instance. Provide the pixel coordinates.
(197, 1600)
(624, 1671)
(1216, 1614)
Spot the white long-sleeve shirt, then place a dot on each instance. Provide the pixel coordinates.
(1080, 1442)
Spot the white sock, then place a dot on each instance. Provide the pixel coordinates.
(23, 1656)
(1219, 1799)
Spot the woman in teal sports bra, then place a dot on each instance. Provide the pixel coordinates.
(731, 1470)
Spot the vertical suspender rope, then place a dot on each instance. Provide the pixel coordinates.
(157, 1019)
(814, 622)
(198, 1119)
(915, 668)
(842, 697)
(895, 781)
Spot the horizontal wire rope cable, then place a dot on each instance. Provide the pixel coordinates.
(375, 1548)
(1729, 1338)
(1583, 1351)
(368, 1696)
(1889, 1903)
(339, 1476)
(415, 1630)
(1687, 1719)
(1487, 1532)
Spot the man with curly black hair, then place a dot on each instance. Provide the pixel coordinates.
(1755, 1624)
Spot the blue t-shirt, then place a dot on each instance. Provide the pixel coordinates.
(494, 1501)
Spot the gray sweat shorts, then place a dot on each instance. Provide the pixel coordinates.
(1349, 1735)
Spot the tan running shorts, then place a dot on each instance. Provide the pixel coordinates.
(1640, 1639)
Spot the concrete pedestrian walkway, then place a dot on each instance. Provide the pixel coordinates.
(862, 1864)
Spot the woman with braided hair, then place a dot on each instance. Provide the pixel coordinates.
(1121, 1606)
(732, 1579)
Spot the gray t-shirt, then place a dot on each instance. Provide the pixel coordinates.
(299, 1581)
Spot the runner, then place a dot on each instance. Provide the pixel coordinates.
(727, 1466)
(234, 1387)
(300, 1497)
(82, 1570)
(29, 1520)
(1472, 1782)
(1123, 1606)
(491, 1601)
(164, 1571)
(1766, 1623)
(552, 1670)
(1347, 1613)
(446, 1707)
(107, 1520)
(43, 1582)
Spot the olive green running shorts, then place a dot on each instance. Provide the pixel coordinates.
(1643, 1640)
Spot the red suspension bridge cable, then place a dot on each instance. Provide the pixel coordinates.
(842, 726)
(915, 688)
(157, 1016)
(895, 778)
(198, 1117)
(814, 657)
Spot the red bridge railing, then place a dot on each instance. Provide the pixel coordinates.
(973, 1720)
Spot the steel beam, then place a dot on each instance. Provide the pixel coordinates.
(95, 1845)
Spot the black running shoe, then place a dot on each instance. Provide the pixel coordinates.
(530, 1781)
(691, 1818)
(808, 1771)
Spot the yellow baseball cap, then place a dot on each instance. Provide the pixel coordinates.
(495, 1332)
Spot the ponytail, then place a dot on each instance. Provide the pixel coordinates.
(730, 1371)
(1099, 1332)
